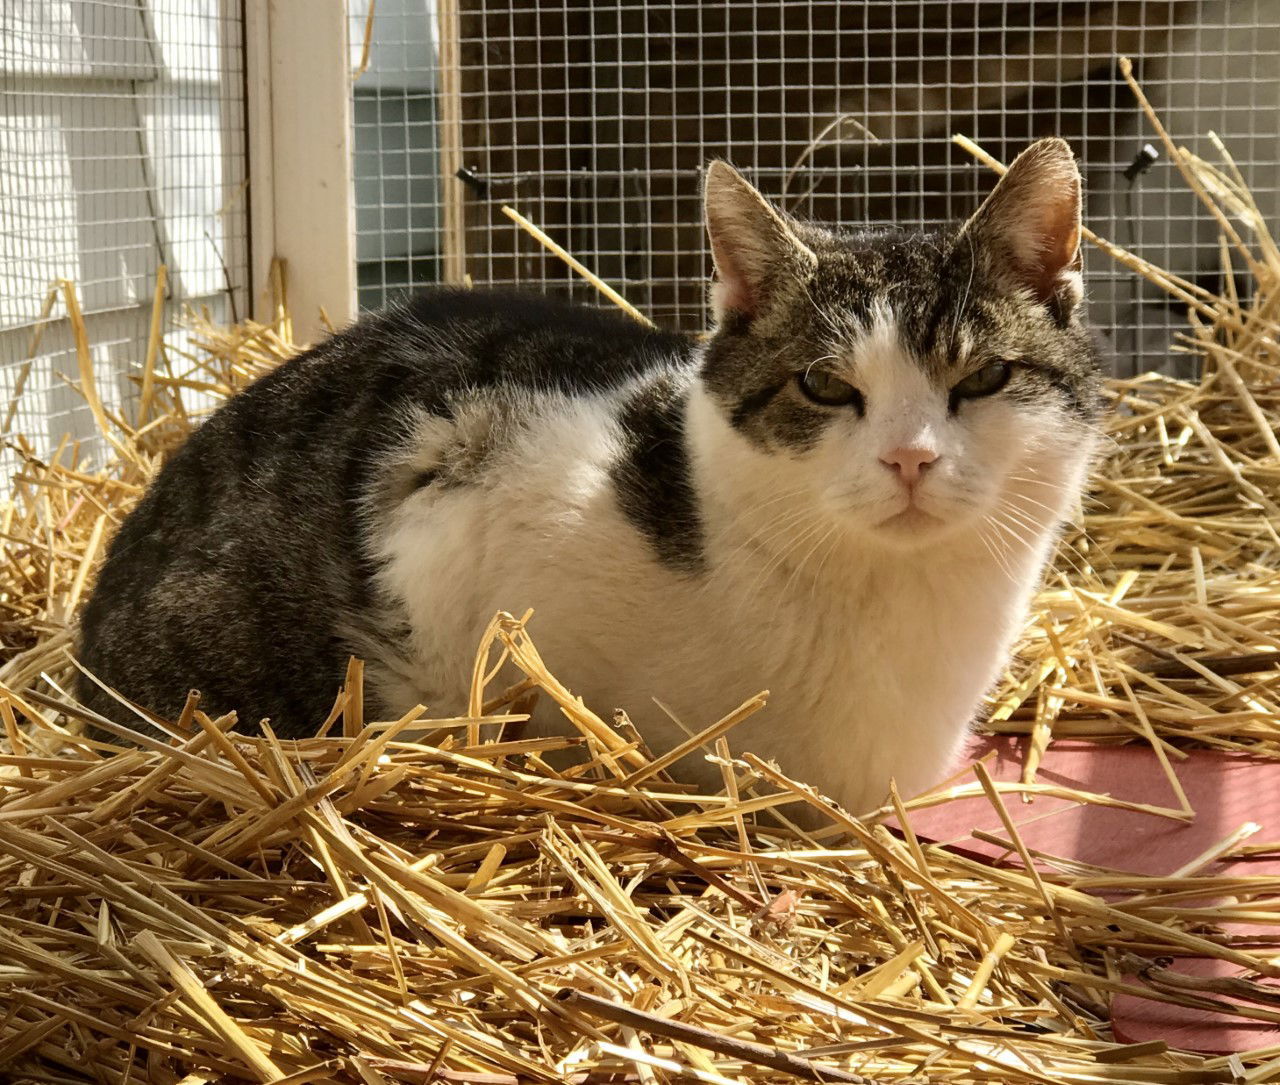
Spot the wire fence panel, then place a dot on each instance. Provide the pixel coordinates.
(122, 147)
(596, 120)
(397, 166)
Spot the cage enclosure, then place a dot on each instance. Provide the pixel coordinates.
(184, 184)
(597, 119)
(208, 138)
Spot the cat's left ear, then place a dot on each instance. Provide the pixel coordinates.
(1029, 226)
(755, 250)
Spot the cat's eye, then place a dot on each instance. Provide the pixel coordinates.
(828, 389)
(986, 381)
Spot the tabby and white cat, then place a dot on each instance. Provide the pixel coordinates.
(846, 495)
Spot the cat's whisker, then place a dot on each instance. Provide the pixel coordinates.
(734, 525)
(801, 541)
(997, 557)
(783, 555)
(774, 528)
(785, 516)
(1010, 518)
(1034, 520)
(1022, 517)
(772, 557)
(1047, 484)
(1026, 518)
(1010, 531)
(1104, 438)
(817, 573)
(1006, 535)
(1063, 544)
(799, 569)
(996, 553)
(773, 499)
(1077, 528)
(761, 541)
(1034, 501)
(802, 537)
(735, 528)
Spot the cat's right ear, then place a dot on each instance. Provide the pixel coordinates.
(753, 247)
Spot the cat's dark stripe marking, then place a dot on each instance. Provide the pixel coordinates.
(653, 476)
(1082, 406)
(755, 402)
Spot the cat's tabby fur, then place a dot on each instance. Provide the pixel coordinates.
(685, 521)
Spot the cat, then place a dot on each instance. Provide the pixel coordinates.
(846, 494)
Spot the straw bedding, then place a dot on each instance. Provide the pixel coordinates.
(421, 900)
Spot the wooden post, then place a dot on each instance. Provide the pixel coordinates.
(452, 192)
(301, 203)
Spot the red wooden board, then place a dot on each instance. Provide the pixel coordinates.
(1226, 791)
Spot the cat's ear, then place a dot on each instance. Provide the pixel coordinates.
(1029, 226)
(754, 249)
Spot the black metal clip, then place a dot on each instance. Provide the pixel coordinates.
(473, 181)
(1142, 161)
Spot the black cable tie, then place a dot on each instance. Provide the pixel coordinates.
(473, 181)
(1142, 161)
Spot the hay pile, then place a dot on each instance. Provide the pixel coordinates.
(374, 909)
(428, 900)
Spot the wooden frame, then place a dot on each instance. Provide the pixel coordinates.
(453, 225)
(301, 205)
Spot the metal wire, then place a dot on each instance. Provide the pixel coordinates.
(397, 169)
(122, 146)
(596, 119)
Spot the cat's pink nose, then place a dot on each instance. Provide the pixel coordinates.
(910, 463)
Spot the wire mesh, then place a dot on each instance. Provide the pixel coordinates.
(122, 147)
(596, 119)
(396, 168)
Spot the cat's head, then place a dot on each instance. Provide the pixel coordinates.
(911, 383)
